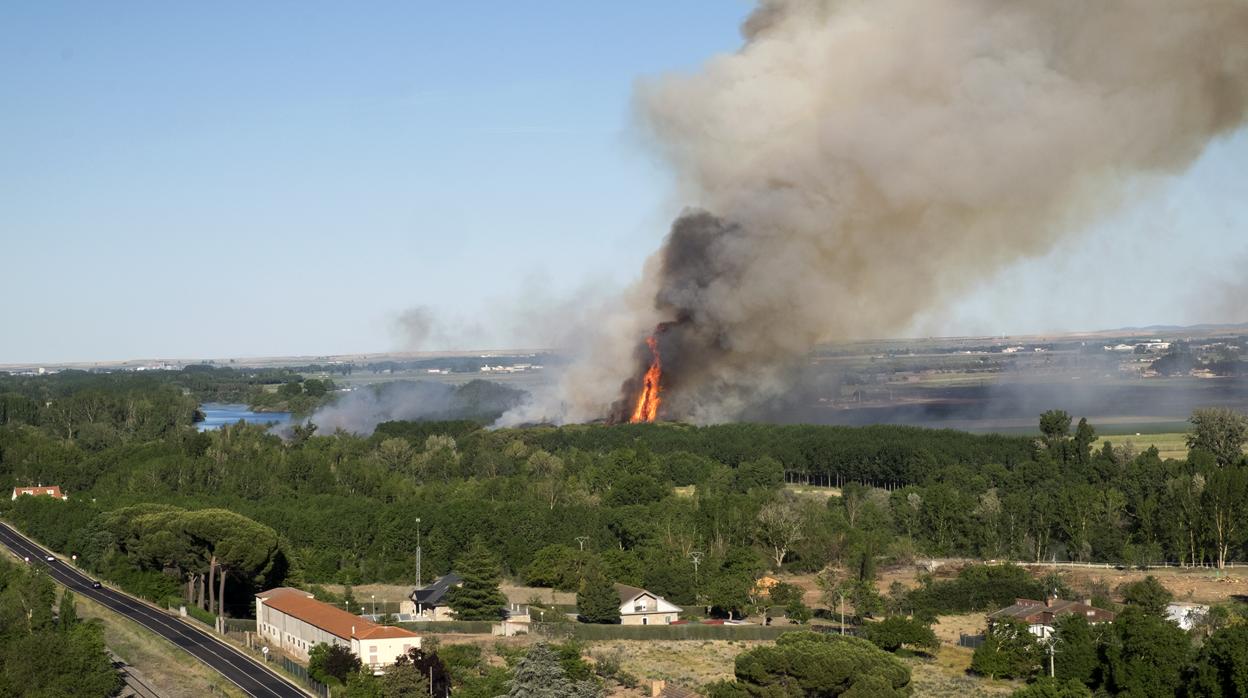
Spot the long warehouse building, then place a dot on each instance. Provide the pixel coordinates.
(294, 621)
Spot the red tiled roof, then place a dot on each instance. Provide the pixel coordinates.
(49, 490)
(299, 604)
(382, 632)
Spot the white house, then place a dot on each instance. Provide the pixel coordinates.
(295, 622)
(640, 607)
(1186, 615)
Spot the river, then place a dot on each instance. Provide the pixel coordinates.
(217, 414)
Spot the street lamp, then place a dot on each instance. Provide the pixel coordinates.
(374, 605)
(417, 552)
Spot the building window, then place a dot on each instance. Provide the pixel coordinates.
(645, 620)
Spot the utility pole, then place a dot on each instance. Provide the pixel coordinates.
(582, 540)
(418, 552)
(1052, 644)
(842, 594)
(695, 556)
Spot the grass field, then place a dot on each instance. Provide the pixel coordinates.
(945, 676)
(1169, 444)
(169, 670)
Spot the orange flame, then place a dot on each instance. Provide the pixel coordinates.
(648, 400)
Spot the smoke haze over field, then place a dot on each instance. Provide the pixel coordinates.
(361, 410)
(856, 163)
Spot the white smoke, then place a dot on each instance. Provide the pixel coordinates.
(881, 157)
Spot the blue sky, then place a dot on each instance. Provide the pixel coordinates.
(239, 179)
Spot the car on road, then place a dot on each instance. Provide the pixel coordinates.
(50, 558)
(95, 585)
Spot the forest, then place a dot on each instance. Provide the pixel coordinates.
(158, 505)
(45, 649)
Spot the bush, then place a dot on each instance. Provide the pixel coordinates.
(811, 664)
(332, 664)
(1051, 688)
(199, 614)
(893, 632)
(1009, 651)
(976, 588)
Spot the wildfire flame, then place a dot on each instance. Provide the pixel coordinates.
(649, 399)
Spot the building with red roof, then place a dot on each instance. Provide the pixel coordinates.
(294, 621)
(53, 491)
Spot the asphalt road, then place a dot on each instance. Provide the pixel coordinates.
(244, 672)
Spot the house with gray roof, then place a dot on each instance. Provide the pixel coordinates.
(430, 602)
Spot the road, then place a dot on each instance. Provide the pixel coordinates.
(250, 676)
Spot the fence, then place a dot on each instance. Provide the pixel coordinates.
(300, 672)
(971, 641)
(1133, 566)
(467, 627)
(240, 625)
(852, 630)
(690, 631)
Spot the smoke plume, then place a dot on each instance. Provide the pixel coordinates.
(857, 162)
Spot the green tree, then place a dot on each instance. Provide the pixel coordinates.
(1226, 504)
(1146, 655)
(781, 524)
(1220, 431)
(331, 664)
(1076, 649)
(1009, 651)
(789, 597)
(1148, 595)
(40, 656)
(416, 673)
(1085, 435)
(597, 601)
(764, 473)
(1055, 424)
(728, 592)
(1221, 670)
(403, 682)
(812, 664)
(315, 387)
(541, 675)
(478, 598)
(67, 611)
(893, 632)
(557, 566)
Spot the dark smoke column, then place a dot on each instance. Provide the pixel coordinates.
(695, 255)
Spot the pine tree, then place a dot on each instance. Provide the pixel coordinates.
(597, 601)
(478, 598)
(540, 675)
